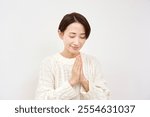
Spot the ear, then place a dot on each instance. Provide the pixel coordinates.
(61, 34)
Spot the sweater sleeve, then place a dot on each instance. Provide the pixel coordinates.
(97, 85)
(46, 85)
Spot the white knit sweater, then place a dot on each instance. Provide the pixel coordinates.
(56, 72)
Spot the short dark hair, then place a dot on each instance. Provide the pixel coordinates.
(75, 17)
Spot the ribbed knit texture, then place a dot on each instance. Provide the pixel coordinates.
(55, 73)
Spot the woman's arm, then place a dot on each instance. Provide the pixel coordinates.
(97, 85)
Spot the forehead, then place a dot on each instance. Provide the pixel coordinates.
(75, 27)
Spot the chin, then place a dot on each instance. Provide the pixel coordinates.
(74, 52)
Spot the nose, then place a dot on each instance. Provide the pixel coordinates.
(76, 41)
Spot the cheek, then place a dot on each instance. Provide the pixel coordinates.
(82, 42)
(67, 41)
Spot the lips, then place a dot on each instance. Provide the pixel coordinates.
(75, 48)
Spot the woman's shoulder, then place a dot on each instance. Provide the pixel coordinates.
(91, 60)
(89, 57)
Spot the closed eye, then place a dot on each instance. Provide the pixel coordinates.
(72, 36)
(82, 37)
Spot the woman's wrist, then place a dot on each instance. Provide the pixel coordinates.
(85, 84)
(72, 82)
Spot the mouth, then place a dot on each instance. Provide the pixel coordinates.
(74, 48)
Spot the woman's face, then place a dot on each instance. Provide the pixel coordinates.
(74, 38)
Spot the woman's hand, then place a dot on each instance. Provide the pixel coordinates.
(76, 71)
(78, 75)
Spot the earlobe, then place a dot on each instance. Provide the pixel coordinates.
(60, 34)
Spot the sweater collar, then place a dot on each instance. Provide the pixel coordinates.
(65, 60)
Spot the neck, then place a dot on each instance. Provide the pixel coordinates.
(69, 55)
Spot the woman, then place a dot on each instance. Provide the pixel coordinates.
(70, 74)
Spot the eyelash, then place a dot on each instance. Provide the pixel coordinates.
(74, 37)
(82, 37)
(71, 36)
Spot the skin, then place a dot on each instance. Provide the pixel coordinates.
(74, 38)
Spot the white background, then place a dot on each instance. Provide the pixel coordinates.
(120, 39)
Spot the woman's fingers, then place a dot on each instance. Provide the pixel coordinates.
(76, 71)
(77, 64)
(75, 75)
